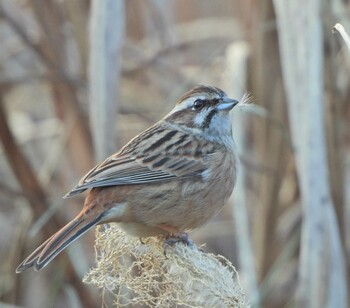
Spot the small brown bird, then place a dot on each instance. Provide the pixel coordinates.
(170, 178)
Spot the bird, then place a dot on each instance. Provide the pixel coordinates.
(170, 179)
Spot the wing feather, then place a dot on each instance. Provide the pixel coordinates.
(135, 164)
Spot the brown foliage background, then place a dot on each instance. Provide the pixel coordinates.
(48, 135)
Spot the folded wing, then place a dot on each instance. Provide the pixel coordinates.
(146, 160)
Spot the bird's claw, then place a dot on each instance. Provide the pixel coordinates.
(181, 237)
(172, 239)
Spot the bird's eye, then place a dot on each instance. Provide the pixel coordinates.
(198, 104)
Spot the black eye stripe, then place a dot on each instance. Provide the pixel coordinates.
(199, 102)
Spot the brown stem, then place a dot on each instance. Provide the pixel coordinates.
(36, 195)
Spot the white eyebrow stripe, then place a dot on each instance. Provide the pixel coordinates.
(187, 103)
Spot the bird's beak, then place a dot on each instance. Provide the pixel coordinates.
(226, 103)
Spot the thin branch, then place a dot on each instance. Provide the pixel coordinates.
(338, 27)
(7, 15)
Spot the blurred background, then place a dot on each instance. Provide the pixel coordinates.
(79, 78)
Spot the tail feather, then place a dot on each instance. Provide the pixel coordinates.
(64, 235)
(31, 259)
(57, 242)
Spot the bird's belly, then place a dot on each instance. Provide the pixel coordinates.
(206, 202)
(182, 205)
(140, 229)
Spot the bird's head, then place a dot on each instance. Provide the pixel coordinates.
(203, 110)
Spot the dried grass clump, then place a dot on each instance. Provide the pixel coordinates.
(136, 272)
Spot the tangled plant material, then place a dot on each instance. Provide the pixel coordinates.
(156, 276)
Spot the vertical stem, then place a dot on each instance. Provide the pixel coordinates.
(106, 38)
(322, 281)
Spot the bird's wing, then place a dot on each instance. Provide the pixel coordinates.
(155, 156)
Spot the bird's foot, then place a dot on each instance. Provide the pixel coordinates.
(172, 239)
(175, 236)
(183, 237)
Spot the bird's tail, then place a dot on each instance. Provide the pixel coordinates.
(59, 241)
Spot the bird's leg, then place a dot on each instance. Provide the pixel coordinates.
(169, 229)
(175, 235)
(183, 237)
